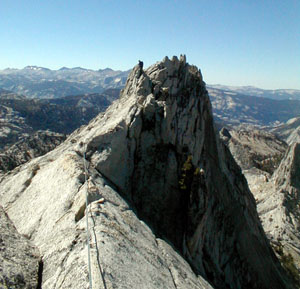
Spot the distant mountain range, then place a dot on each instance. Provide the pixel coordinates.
(9, 94)
(234, 108)
(278, 94)
(36, 98)
(40, 82)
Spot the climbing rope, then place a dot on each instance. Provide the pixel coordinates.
(87, 222)
(87, 229)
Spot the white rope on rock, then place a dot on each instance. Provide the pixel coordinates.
(87, 222)
(87, 226)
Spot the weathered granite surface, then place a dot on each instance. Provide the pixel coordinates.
(278, 202)
(152, 158)
(19, 259)
(289, 131)
(274, 181)
(253, 148)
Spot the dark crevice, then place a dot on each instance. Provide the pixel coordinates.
(133, 117)
(171, 227)
(40, 274)
(174, 283)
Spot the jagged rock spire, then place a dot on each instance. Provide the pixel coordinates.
(155, 148)
(162, 142)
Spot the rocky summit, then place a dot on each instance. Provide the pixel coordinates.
(168, 207)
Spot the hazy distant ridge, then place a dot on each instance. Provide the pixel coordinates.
(40, 82)
(277, 94)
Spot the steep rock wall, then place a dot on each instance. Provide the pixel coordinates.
(156, 149)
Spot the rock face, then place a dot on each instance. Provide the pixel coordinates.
(272, 170)
(152, 158)
(290, 131)
(28, 148)
(19, 259)
(278, 202)
(287, 181)
(252, 148)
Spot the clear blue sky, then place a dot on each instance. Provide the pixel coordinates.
(242, 42)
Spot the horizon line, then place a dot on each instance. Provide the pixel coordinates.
(127, 70)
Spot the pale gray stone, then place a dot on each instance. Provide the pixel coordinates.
(289, 131)
(272, 171)
(254, 148)
(19, 259)
(153, 159)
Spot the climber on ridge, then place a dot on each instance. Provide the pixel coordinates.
(141, 64)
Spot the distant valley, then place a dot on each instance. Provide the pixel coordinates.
(20, 117)
(234, 108)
